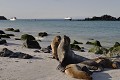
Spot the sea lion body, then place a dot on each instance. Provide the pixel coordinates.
(54, 46)
(66, 55)
(75, 71)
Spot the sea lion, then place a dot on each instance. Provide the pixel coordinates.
(54, 46)
(66, 55)
(75, 71)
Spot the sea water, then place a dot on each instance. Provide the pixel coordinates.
(107, 32)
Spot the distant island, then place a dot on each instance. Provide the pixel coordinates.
(3, 18)
(102, 18)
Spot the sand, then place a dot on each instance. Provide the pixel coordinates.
(42, 67)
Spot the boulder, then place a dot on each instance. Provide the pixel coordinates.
(98, 50)
(114, 51)
(75, 47)
(42, 34)
(9, 29)
(95, 43)
(2, 32)
(4, 36)
(8, 53)
(31, 44)
(27, 37)
(5, 52)
(2, 41)
(76, 42)
(16, 30)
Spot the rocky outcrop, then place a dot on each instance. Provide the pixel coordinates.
(42, 34)
(3, 18)
(114, 51)
(31, 44)
(27, 37)
(9, 29)
(8, 53)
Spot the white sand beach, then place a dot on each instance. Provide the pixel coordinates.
(42, 67)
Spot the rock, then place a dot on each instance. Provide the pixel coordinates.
(20, 55)
(5, 52)
(16, 30)
(49, 47)
(37, 51)
(17, 39)
(31, 44)
(27, 37)
(10, 34)
(9, 29)
(2, 41)
(8, 53)
(45, 50)
(4, 36)
(98, 50)
(75, 47)
(2, 32)
(96, 43)
(76, 42)
(114, 51)
(42, 34)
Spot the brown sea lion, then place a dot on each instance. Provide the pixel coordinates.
(66, 55)
(75, 71)
(54, 46)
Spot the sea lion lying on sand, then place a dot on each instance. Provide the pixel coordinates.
(75, 71)
(54, 46)
(66, 55)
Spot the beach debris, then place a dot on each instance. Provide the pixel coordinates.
(31, 44)
(42, 34)
(8, 53)
(27, 37)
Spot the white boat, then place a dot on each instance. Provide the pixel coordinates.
(68, 18)
(13, 19)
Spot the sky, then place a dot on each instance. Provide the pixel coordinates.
(42, 9)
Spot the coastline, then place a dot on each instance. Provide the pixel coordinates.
(41, 67)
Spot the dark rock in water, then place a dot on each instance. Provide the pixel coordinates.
(31, 44)
(27, 37)
(76, 42)
(95, 43)
(114, 51)
(2, 32)
(5, 52)
(9, 29)
(10, 34)
(16, 30)
(20, 55)
(2, 41)
(3, 18)
(98, 50)
(4, 36)
(17, 39)
(75, 47)
(8, 53)
(45, 50)
(42, 34)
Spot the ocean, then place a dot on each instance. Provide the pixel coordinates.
(107, 32)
